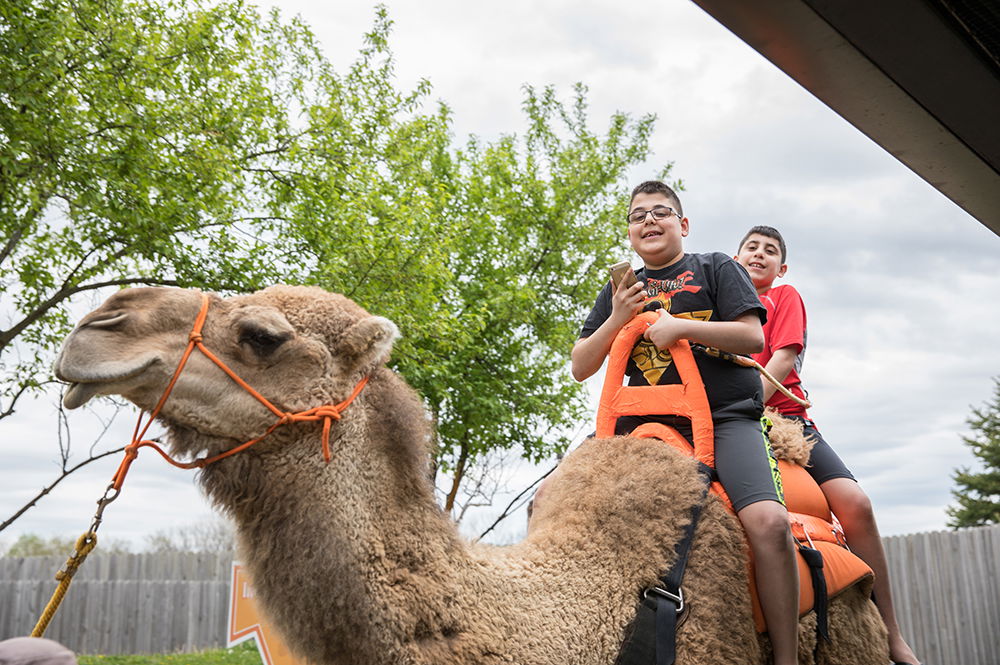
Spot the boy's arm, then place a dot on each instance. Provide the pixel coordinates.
(779, 366)
(589, 352)
(741, 335)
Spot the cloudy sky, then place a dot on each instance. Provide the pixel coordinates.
(901, 285)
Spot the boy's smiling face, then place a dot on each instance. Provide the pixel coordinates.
(658, 241)
(761, 256)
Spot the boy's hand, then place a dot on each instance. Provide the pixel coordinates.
(626, 302)
(665, 331)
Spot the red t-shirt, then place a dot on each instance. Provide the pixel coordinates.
(785, 326)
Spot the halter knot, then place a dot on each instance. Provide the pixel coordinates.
(195, 338)
(328, 411)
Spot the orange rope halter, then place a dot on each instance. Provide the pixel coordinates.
(88, 541)
(326, 412)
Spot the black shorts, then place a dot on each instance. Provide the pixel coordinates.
(824, 464)
(743, 458)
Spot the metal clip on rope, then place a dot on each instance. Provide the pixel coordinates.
(85, 544)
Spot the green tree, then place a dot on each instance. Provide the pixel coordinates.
(216, 535)
(30, 544)
(548, 210)
(977, 493)
(188, 144)
(133, 134)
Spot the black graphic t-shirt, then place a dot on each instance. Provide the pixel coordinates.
(706, 287)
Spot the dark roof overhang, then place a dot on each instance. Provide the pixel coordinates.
(921, 78)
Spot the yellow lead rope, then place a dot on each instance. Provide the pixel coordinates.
(85, 544)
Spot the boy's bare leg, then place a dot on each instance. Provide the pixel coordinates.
(776, 573)
(854, 510)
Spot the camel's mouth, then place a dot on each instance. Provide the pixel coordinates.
(82, 388)
(79, 394)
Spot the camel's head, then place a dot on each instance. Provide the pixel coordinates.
(299, 347)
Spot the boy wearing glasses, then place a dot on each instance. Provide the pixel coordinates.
(762, 252)
(709, 299)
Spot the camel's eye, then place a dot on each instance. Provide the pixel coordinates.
(263, 342)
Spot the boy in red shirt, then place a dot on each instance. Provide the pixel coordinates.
(762, 252)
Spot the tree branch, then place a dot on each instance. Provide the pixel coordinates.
(456, 480)
(507, 511)
(276, 174)
(49, 488)
(15, 237)
(368, 269)
(11, 243)
(103, 262)
(13, 400)
(283, 145)
(8, 335)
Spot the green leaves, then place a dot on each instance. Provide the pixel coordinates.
(132, 133)
(197, 144)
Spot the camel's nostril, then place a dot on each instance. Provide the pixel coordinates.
(107, 322)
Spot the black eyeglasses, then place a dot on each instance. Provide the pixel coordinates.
(658, 212)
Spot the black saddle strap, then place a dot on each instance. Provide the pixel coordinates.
(814, 559)
(653, 635)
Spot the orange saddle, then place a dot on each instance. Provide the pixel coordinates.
(812, 522)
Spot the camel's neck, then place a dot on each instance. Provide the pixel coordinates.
(338, 550)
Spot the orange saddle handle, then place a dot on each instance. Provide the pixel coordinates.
(686, 399)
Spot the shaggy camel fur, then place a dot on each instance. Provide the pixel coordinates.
(355, 563)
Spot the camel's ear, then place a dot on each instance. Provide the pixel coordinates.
(368, 342)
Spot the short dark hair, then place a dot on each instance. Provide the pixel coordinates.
(767, 232)
(656, 187)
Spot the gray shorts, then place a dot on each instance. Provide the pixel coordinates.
(824, 464)
(743, 458)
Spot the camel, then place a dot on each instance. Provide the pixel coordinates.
(354, 562)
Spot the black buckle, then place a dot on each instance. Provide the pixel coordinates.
(676, 598)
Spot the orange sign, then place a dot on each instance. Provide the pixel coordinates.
(245, 623)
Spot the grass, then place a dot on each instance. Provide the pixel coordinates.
(241, 654)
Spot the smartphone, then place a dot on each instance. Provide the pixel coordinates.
(622, 271)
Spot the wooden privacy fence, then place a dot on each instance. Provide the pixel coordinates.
(946, 585)
(122, 603)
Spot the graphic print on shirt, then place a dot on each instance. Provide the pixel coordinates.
(651, 361)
